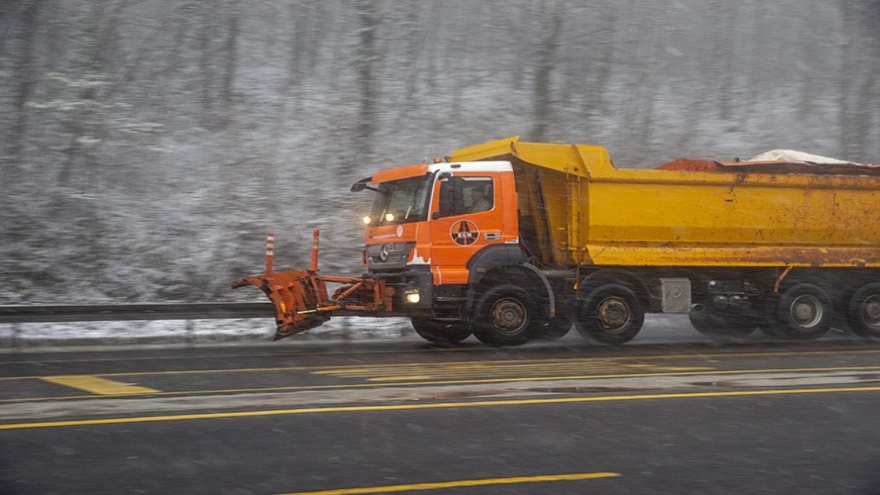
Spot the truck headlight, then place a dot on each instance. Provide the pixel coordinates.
(412, 296)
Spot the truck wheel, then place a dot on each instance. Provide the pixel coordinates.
(766, 316)
(610, 314)
(723, 326)
(507, 315)
(561, 324)
(441, 332)
(863, 312)
(804, 312)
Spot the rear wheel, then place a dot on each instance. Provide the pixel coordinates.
(804, 312)
(441, 332)
(610, 314)
(863, 312)
(723, 325)
(507, 315)
(766, 316)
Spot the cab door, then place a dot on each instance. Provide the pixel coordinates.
(467, 218)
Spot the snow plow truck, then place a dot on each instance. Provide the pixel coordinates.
(511, 241)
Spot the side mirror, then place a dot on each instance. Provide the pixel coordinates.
(361, 185)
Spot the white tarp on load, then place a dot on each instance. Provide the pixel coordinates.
(792, 156)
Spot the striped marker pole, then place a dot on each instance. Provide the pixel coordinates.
(270, 251)
(315, 243)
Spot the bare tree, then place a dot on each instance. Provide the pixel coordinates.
(233, 13)
(366, 62)
(25, 78)
(296, 61)
(549, 32)
(858, 88)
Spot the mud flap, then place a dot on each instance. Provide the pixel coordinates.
(297, 296)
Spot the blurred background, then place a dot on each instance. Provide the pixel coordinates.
(147, 146)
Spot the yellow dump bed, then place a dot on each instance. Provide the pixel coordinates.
(585, 211)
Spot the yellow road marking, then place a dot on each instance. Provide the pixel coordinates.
(97, 385)
(439, 405)
(359, 370)
(705, 353)
(495, 367)
(325, 369)
(425, 383)
(462, 483)
(438, 372)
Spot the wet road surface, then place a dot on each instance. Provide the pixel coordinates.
(670, 413)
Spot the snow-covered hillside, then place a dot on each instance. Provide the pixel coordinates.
(148, 146)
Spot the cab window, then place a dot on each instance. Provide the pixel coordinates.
(464, 195)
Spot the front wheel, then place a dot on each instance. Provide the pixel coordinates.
(610, 314)
(441, 332)
(507, 315)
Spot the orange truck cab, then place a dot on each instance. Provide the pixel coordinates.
(434, 231)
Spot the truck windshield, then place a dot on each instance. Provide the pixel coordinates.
(402, 201)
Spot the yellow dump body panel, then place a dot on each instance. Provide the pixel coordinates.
(586, 211)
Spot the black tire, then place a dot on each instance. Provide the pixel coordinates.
(441, 332)
(863, 312)
(561, 324)
(610, 314)
(767, 320)
(723, 325)
(804, 312)
(507, 315)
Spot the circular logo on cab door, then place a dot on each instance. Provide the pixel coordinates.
(464, 232)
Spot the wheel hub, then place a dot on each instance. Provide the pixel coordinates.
(871, 311)
(807, 311)
(509, 316)
(613, 314)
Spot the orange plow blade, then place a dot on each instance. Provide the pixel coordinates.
(299, 296)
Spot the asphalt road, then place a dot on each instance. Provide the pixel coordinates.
(669, 413)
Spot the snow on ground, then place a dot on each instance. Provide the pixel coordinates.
(659, 328)
(19, 335)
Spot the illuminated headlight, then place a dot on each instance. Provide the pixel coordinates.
(413, 296)
(368, 220)
(389, 217)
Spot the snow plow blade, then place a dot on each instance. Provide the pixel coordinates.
(298, 296)
(301, 299)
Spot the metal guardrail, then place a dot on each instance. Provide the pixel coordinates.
(124, 312)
